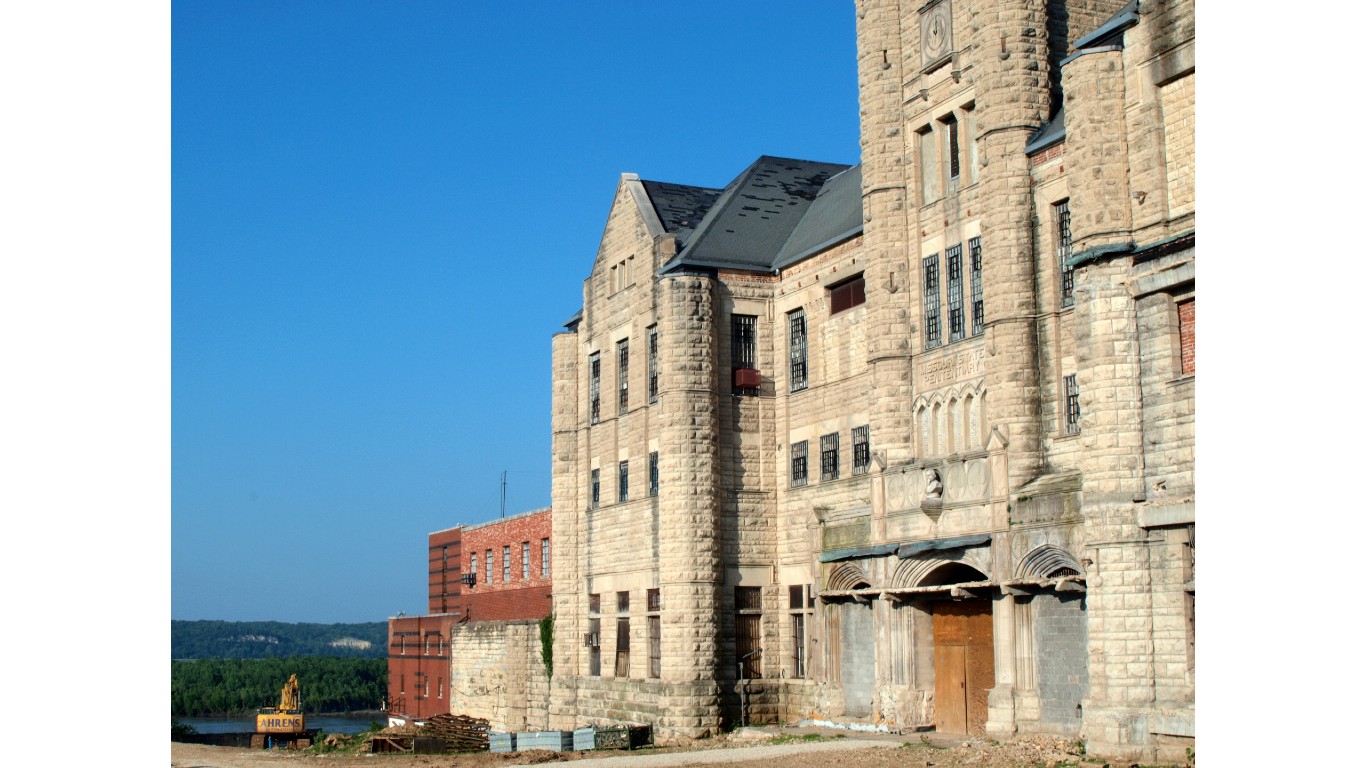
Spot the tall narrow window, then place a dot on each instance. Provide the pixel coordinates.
(652, 606)
(799, 463)
(488, 566)
(623, 665)
(1062, 220)
(748, 637)
(594, 387)
(743, 336)
(653, 336)
(623, 476)
(623, 377)
(594, 642)
(953, 258)
(979, 320)
(474, 566)
(931, 300)
(1073, 400)
(1185, 321)
(970, 127)
(654, 473)
(796, 348)
(951, 124)
(862, 456)
(799, 607)
(526, 560)
(507, 563)
(596, 485)
(545, 557)
(830, 457)
(929, 168)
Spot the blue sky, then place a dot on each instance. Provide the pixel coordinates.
(381, 212)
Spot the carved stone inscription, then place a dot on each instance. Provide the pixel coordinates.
(955, 367)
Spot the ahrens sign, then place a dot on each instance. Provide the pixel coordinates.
(279, 723)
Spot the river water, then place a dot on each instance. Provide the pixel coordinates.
(341, 724)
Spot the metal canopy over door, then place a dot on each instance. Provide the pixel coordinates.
(964, 665)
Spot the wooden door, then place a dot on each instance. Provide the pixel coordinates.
(964, 665)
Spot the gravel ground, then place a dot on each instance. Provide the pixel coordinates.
(754, 748)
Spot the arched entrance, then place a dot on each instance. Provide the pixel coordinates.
(964, 661)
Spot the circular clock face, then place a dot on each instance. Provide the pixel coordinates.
(935, 38)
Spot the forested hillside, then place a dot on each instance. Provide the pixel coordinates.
(223, 687)
(272, 639)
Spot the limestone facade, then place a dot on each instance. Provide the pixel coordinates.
(935, 469)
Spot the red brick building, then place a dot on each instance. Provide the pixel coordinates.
(493, 571)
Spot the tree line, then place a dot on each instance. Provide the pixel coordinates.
(270, 639)
(227, 687)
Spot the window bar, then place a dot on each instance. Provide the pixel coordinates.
(931, 284)
(979, 319)
(953, 258)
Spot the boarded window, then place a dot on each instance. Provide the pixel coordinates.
(846, 294)
(652, 624)
(623, 667)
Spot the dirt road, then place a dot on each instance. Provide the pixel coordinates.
(864, 752)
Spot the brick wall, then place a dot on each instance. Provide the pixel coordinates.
(420, 665)
(443, 570)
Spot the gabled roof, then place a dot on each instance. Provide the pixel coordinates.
(835, 215)
(755, 215)
(680, 208)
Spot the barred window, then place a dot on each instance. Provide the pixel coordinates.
(623, 377)
(799, 645)
(654, 473)
(653, 335)
(748, 635)
(953, 258)
(931, 286)
(799, 463)
(594, 384)
(507, 563)
(545, 557)
(830, 456)
(1062, 219)
(596, 485)
(1073, 397)
(862, 456)
(796, 327)
(743, 335)
(979, 319)
(623, 475)
(526, 560)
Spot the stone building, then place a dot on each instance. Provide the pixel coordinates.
(908, 443)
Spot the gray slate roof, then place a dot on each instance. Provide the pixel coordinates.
(835, 215)
(754, 216)
(680, 208)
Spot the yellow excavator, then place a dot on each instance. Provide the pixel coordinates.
(286, 720)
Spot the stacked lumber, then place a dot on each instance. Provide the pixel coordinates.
(462, 733)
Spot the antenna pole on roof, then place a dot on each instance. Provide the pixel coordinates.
(503, 496)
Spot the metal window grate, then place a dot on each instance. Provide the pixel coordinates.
(654, 473)
(623, 374)
(979, 319)
(623, 477)
(743, 341)
(953, 258)
(1073, 425)
(654, 364)
(798, 645)
(596, 486)
(749, 599)
(748, 637)
(1062, 217)
(799, 463)
(830, 456)
(796, 324)
(931, 291)
(862, 456)
(594, 387)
